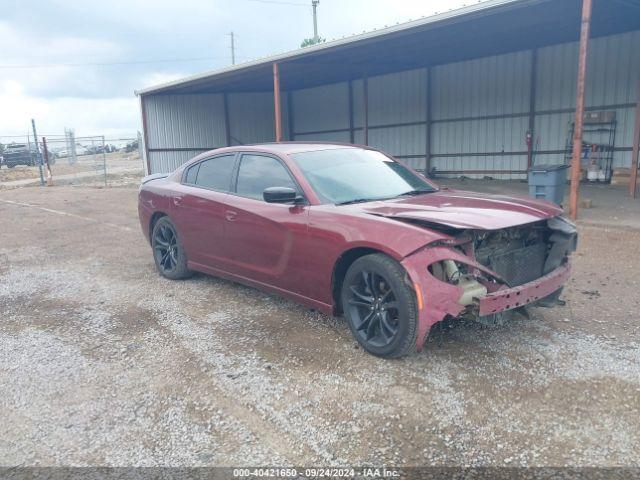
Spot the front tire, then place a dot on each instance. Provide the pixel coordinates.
(168, 253)
(380, 306)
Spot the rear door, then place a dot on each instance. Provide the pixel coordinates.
(266, 241)
(199, 209)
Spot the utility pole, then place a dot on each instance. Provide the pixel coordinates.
(314, 4)
(233, 49)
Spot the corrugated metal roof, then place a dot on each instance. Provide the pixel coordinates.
(489, 28)
(459, 13)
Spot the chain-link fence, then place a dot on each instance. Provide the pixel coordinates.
(70, 160)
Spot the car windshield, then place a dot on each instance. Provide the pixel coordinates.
(349, 175)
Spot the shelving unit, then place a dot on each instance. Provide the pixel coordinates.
(598, 141)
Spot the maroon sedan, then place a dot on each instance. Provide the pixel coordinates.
(349, 230)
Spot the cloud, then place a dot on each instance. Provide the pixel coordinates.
(88, 116)
(96, 99)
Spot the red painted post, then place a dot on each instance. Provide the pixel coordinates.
(276, 100)
(580, 88)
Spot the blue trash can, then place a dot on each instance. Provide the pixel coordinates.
(548, 182)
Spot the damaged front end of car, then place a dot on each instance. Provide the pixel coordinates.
(488, 275)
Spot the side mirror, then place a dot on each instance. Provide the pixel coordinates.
(281, 195)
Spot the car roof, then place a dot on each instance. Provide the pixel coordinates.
(291, 147)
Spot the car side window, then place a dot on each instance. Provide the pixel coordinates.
(215, 173)
(256, 173)
(192, 174)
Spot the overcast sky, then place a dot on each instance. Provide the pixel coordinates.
(43, 41)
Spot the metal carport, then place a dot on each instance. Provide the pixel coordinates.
(457, 91)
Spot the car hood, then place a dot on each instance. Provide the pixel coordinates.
(460, 209)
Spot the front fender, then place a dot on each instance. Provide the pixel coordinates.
(439, 299)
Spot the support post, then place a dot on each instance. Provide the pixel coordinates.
(227, 125)
(532, 107)
(633, 181)
(276, 100)
(290, 119)
(145, 135)
(579, 116)
(427, 157)
(365, 108)
(351, 131)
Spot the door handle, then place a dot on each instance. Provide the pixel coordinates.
(230, 215)
(177, 201)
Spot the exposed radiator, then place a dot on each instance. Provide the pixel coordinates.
(521, 265)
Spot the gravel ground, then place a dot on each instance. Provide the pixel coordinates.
(103, 362)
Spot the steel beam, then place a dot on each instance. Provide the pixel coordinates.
(352, 138)
(290, 117)
(227, 125)
(633, 181)
(427, 129)
(532, 107)
(276, 101)
(579, 115)
(365, 107)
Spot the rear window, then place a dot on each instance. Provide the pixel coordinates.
(192, 174)
(215, 173)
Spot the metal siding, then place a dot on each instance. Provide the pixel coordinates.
(556, 77)
(358, 103)
(342, 137)
(285, 117)
(511, 162)
(552, 131)
(321, 108)
(497, 85)
(166, 162)
(612, 69)
(185, 121)
(398, 98)
(612, 72)
(480, 136)
(358, 137)
(407, 140)
(486, 86)
(491, 86)
(251, 117)
(415, 163)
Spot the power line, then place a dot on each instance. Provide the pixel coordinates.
(109, 64)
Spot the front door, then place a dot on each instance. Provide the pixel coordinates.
(266, 241)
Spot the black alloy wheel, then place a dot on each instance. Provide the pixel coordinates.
(380, 306)
(166, 248)
(169, 256)
(374, 309)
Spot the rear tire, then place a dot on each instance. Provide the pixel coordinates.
(168, 252)
(380, 306)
